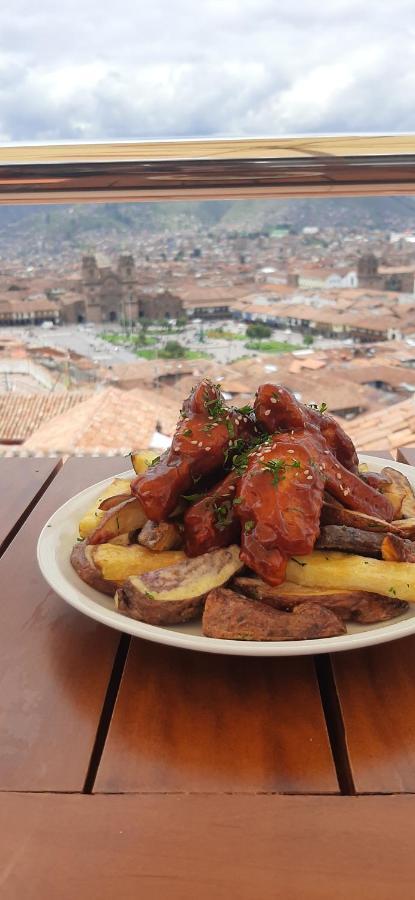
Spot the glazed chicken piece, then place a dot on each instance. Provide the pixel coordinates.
(276, 409)
(280, 498)
(211, 522)
(205, 438)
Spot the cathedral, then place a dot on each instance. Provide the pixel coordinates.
(383, 278)
(108, 294)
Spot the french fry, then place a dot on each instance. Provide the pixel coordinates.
(349, 572)
(117, 563)
(94, 515)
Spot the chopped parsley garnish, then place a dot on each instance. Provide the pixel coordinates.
(321, 409)
(154, 462)
(222, 513)
(230, 426)
(215, 406)
(187, 432)
(209, 426)
(240, 461)
(245, 410)
(249, 525)
(277, 468)
(237, 501)
(149, 596)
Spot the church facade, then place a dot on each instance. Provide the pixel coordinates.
(375, 277)
(113, 294)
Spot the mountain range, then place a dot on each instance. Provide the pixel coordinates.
(51, 227)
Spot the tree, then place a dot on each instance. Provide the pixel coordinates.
(308, 340)
(257, 330)
(173, 350)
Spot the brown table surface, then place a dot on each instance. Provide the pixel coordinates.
(132, 769)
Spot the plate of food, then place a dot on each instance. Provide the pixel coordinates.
(259, 532)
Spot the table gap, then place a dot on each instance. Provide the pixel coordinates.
(334, 723)
(30, 507)
(106, 712)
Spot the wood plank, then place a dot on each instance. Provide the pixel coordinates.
(22, 483)
(181, 847)
(188, 721)
(376, 688)
(55, 663)
(406, 455)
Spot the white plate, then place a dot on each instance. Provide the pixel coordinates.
(53, 552)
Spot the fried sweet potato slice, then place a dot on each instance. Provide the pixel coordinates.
(94, 515)
(110, 502)
(160, 536)
(233, 616)
(350, 606)
(121, 519)
(353, 540)
(396, 548)
(177, 594)
(82, 561)
(399, 492)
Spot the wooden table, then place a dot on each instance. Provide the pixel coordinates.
(129, 769)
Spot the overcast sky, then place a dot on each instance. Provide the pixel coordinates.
(151, 68)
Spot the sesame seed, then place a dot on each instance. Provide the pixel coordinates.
(306, 471)
(232, 487)
(207, 449)
(338, 475)
(273, 399)
(267, 412)
(290, 451)
(193, 442)
(200, 444)
(309, 477)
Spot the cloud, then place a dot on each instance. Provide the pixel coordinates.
(132, 69)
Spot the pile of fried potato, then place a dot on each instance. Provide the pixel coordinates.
(362, 570)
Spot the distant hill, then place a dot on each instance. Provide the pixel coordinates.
(53, 228)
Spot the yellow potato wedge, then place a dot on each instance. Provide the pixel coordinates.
(117, 563)
(345, 571)
(93, 516)
(141, 459)
(127, 516)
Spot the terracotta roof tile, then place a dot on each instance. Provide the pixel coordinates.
(22, 414)
(110, 420)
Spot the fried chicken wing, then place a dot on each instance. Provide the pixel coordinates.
(206, 436)
(211, 522)
(277, 409)
(281, 495)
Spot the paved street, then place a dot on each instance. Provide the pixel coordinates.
(87, 341)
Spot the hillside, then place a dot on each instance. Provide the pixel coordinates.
(53, 229)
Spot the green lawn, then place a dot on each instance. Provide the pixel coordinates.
(273, 346)
(217, 335)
